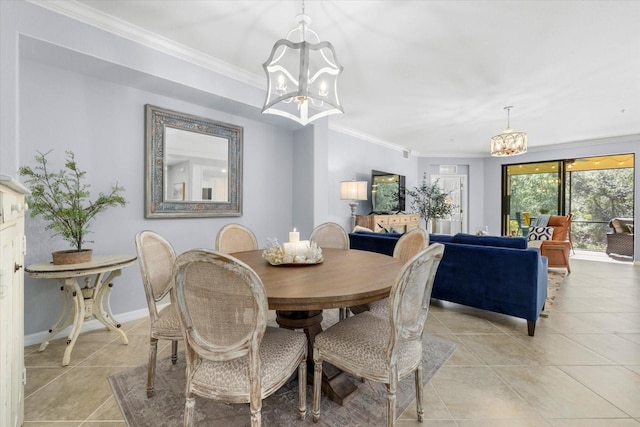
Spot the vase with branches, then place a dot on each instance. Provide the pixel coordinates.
(430, 201)
(62, 199)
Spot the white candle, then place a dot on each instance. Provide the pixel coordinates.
(294, 236)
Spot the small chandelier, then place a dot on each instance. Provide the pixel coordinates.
(509, 143)
(302, 74)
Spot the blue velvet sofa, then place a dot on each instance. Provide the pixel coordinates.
(498, 274)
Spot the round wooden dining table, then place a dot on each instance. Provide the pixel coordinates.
(299, 293)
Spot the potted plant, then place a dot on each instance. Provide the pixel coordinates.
(63, 201)
(430, 202)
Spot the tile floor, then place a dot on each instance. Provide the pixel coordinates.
(581, 369)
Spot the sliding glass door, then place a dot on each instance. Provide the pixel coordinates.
(529, 190)
(594, 189)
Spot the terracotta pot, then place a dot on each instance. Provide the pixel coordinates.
(71, 256)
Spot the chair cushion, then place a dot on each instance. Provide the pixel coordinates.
(279, 352)
(561, 226)
(167, 325)
(359, 345)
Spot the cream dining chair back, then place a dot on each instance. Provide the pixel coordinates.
(331, 235)
(232, 356)
(408, 245)
(156, 257)
(235, 238)
(384, 349)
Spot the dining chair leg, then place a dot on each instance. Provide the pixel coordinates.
(419, 390)
(189, 409)
(174, 352)
(317, 380)
(302, 388)
(391, 401)
(151, 369)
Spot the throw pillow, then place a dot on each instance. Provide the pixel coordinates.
(540, 233)
(630, 228)
(617, 225)
(359, 229)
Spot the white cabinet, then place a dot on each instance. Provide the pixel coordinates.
(12, 251)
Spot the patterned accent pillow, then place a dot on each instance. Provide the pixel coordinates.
(540, 233)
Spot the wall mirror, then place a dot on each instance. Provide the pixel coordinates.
(193, 166)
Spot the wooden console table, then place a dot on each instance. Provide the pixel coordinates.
(80, 303)
(398, 222)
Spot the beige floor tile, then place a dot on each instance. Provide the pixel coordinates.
(108, 411)
(478, 393)
(463, 356)
(75, 396)
(39, 377)
(426, 423)
(51, 424)
(613, 347)
(635, 338)
(569, 323)
(628, 323)
(557, 349)
(535, 421)
(434, 408)
(135, 353)
(501, 350)
(595, 423)
(618, 385)
(554, 394)
(463, 323)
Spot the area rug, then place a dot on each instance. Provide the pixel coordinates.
(555, 279)
(166, 407)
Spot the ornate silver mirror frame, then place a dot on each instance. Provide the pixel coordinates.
(206, 152)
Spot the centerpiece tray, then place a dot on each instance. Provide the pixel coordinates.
(275, 255)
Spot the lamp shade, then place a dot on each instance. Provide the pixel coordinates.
(353, 190)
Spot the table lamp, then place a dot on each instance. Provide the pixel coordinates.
(353, 190)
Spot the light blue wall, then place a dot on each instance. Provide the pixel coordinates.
(353, 158)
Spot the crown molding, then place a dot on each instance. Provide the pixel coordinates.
(87, 15)
(367, 138)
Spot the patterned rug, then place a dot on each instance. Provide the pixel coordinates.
(166, 407)
(555, 279)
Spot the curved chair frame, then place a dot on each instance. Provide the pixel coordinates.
(232, 356)
(384, 349)
(235, 238)
(156, 257)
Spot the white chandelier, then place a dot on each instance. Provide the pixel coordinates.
(509, 143)
(302, 74)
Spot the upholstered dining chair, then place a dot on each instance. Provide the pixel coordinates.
(331, 235)
(384, 349)
(411, 243)
(235, 238)
(232, 356)
(156, 257)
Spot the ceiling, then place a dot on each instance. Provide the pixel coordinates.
(432, 77)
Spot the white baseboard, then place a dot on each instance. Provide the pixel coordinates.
(89, 325)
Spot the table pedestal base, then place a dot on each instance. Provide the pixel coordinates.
(336, 384)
